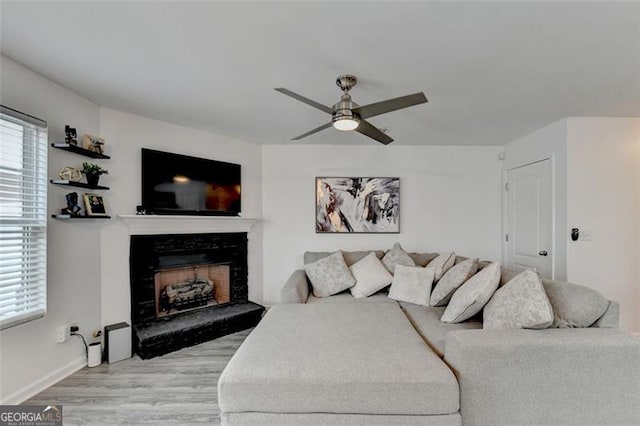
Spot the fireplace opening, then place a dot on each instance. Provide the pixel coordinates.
(191, 287)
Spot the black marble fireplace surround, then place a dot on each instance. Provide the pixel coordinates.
(152, 253)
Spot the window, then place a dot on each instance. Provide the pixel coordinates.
(23, 218)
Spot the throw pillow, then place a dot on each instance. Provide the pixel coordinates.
(471, 297)
(397, 256)
(371, 276)
(452, 280)
(329, 275)
(521, 303)
(574, 305)
(412, 284)
(442, 264)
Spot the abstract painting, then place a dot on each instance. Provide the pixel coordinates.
(357, 204)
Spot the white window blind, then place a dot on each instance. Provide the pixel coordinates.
(23, 217)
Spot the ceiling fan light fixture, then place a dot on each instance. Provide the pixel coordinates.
(346, 124)
(346, 115)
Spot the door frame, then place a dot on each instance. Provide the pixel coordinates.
(505, 209)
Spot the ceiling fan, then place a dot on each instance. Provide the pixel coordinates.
(347, 115)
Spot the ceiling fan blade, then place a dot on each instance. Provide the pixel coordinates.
(371, 110)
(310, 132)
(373, 132)
(305, 100)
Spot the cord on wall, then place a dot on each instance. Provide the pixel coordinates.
(93, 351)
(74, 329)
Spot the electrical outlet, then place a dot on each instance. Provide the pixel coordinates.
(97, 333)
(62, 333)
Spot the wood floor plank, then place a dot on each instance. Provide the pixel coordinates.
(178, 388)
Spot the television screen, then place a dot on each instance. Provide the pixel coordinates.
(179, 184)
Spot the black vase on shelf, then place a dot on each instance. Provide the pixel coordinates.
(92, 179)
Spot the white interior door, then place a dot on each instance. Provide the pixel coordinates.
(529, 218)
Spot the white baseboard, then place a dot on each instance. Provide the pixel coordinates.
(50, 379)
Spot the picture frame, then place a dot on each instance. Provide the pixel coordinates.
(94, 204)
(359, 205)
(93, 143)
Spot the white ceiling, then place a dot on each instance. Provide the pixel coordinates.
(492, 71)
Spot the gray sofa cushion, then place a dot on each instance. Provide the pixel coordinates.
(329, 275)
(555, 376)
(522, 303)
(346, 297)
(337, 358)
(423, 259)
(330, 419)
(611, 317)
(442, 264)
(350, 257)
(506, 274)
(396, 256)
(412, 284)
(426, 321)
(574, 305)
(452, 280)
(371, 276)
(471, 297)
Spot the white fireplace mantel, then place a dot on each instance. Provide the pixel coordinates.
(168, 224)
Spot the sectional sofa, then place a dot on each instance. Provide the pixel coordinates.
(341, 360)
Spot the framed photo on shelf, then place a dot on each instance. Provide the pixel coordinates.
(94, 205)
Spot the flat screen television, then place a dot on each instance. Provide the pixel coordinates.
(182, 185)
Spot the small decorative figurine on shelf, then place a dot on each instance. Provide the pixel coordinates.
(71, 135)
(93, 143)
(70, 173)
(72, 209)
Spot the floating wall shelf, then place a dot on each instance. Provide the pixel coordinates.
(77, 184)
(69, 217)
(77, 150)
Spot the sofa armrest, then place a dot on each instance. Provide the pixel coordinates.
(296, 289)
(610, 318)
(554, 376)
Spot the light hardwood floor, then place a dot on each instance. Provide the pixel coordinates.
(178, 388)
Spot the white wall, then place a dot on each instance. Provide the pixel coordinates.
(449, 200)
(550, 142)
(125, 135)
(88, 278)
(30, 358)
(603, 197)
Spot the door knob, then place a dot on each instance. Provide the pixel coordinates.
(542, 253)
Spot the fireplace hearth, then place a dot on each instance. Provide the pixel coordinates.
(187, 289)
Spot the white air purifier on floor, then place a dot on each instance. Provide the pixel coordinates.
(117, 342)
(94, 354)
